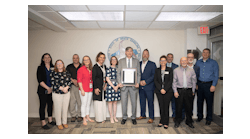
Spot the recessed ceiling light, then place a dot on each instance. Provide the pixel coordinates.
(187, 16)
(93, 16)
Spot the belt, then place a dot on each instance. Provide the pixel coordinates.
(205, 82)
(184, 88)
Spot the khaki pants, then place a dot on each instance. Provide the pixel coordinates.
(74, 100)
(61, 104)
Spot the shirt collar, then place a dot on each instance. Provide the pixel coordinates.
(206, 60)
(183, 68)
(145, 62)
(191, 66)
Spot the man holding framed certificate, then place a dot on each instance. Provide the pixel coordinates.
(128, 77)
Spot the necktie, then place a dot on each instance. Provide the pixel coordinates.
(184, 79)
(129, 63)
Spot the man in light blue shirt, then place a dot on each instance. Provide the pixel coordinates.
(208, 78)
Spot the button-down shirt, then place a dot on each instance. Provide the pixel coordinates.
(73, 70)
(169, 65)
(209, 71)
(178, 78)
(143, 65)
(128, 62)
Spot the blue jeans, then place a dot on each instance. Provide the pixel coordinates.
(149, 95)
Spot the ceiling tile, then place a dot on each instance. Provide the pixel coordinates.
(162, 25)
(40, 8)
(54, 16)
(106, 7)
(140, 16)
(185, 25)
(217, 19)
(143, 7)
(211, 8)
(180, 8)
(111, 24)
(86, 25)
(138, 25)
(65, 24)
(69, 7)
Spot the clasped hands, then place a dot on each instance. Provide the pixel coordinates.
(64, 89)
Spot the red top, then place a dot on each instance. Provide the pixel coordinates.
(85, 77)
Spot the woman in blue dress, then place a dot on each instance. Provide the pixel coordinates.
(112, 92)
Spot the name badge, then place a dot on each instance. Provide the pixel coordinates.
(90, 85)
(166, 72)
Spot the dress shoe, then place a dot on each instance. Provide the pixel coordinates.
(73, 119)
(79, 119)
(198, 120)
(150, 121)
(123, 121)
(190, 125)
(52, 123)
(160, 125)
(165, 127)
(140, 118)
(134, 122)
(208, 122)
(46, 127)
(176, 125)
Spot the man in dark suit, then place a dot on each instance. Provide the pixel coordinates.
(172, 65)
(146, 89)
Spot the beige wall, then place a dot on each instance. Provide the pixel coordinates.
(90, 42)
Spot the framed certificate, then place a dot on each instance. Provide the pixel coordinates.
(129, 76)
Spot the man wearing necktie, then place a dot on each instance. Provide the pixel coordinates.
(172, 65)
(184, 84)
(128, 62)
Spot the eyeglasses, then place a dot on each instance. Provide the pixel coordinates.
(59, 63)
(190, 57)
(86, 60)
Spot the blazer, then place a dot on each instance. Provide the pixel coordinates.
(168, 80)
(174, 66)
(41, 77)
(97, 77)
(123, 64)
(148, 75)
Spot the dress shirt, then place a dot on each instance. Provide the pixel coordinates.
(209, 71)
(178, 78)
(143, 65)
(191, 66)
(73, 70)
(128, 62)
(169, 65)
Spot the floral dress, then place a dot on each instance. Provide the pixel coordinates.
(111, 95)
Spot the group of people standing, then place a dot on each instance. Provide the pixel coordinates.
(79, 83)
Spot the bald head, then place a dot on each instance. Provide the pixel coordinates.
(190, 58)
(183, 62)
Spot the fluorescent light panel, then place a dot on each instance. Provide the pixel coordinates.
(187, 16)
(93, 16)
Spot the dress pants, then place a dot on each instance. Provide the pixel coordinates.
(173, 108)
(149, 95)
(204, 93)
(164, 101)
(61, 105)
(186, 97)
(86, 101)
(45, 99)
(74, 100)
(124, 100)
(100, 109)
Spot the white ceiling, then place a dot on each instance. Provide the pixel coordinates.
(47, 17)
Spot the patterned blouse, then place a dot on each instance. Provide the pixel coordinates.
(59, 79)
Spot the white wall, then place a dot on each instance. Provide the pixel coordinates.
(90, 42)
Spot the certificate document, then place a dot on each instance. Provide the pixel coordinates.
(129, 76)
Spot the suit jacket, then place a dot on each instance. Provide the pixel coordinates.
(41, 77)
(97, 77)
(148, 75)
(168, 80)
(174, 66)
(123, 64)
